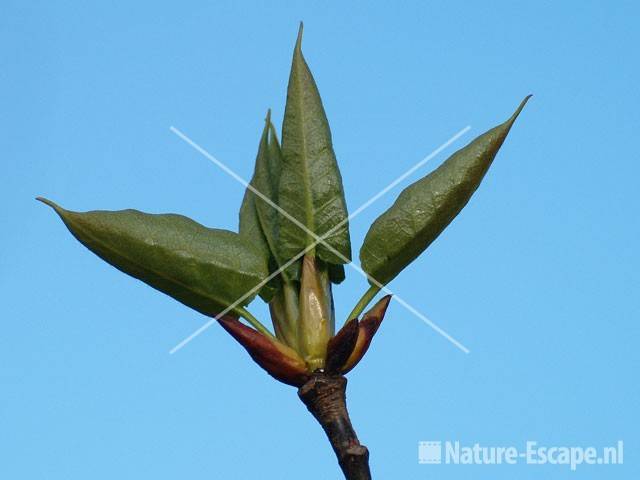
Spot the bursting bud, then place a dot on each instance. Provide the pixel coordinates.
(347, 348)
(279, 361)
(317, 321)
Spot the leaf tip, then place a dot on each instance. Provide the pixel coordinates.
(50, 203)
(299, 39)
(519, 109)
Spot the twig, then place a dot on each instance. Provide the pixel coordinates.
(325, 397)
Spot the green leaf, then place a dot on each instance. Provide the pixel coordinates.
(258, 218)
(251, 231)
(285, 311)
(204, 268)
(250, 228)
(267, 179)
(310, 183)
(424, 209)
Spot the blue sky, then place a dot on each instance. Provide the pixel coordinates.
(538, 276)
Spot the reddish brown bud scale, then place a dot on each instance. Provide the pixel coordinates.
(277, 359)
(367, 327)
(341, 345)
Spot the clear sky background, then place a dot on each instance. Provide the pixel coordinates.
(538, 276)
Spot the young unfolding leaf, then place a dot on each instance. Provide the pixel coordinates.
(251, 231)
(310, 183)
(258, 222)
(424, 209)
(316, 322)
(204, 268)
(267, 179)
(284, 309)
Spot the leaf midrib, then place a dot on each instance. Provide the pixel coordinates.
(300, 95)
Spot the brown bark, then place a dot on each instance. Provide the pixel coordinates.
(325, 397)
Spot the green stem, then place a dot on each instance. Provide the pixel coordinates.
(255, 323)
(363, 302)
